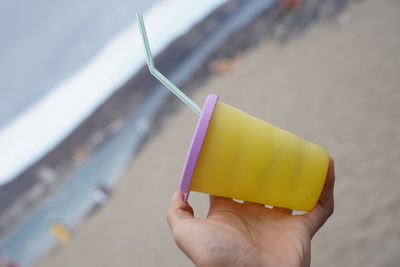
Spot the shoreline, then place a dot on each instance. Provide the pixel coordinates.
(108, 118)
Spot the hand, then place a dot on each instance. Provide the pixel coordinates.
(248, 234)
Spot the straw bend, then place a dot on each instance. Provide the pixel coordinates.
(150, 64)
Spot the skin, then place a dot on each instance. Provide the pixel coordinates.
(248, 234)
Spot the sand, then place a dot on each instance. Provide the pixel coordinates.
(338, 85)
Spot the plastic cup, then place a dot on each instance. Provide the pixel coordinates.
(238, 156)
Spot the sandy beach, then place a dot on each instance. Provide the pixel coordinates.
(337, 85)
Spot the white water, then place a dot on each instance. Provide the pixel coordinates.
(46, 123)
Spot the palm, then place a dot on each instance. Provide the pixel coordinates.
(235, 233)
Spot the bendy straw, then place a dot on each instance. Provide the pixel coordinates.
(157, 74)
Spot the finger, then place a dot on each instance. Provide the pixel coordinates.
(218, 203)
(178, 210)
(325, 205)
(283, 210)
(253, 204)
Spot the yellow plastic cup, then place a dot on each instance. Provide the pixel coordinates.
(236, 155)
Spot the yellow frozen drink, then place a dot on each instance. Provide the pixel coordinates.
(239, 156)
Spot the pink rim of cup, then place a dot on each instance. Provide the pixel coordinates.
(195, 146)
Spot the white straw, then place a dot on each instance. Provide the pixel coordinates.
(158, 75)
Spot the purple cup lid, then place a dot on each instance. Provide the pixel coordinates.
(195, 146)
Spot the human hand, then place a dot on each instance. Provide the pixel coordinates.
(249, 234)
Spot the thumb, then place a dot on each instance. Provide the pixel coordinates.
(178, 210)
(325, 206)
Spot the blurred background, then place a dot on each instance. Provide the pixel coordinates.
(92, 146)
